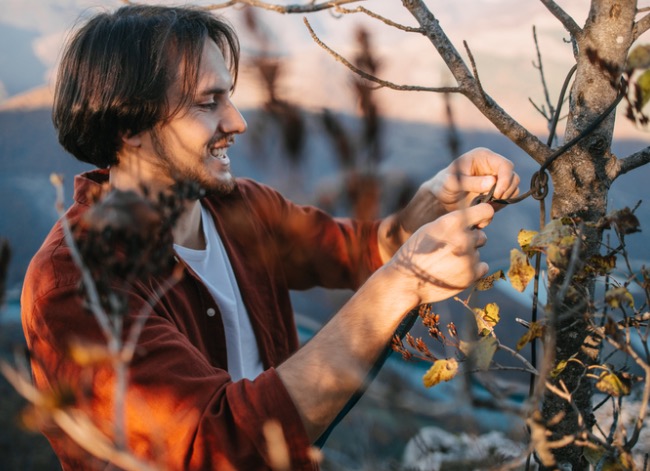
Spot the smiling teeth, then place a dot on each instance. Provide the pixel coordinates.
(218, 153)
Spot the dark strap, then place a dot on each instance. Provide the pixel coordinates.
(402, 329)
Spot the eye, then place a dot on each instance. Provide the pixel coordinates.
(208, 106)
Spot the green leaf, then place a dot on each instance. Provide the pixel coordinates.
(644, 85)
(520, 272)
(479, 354)
(639, 57)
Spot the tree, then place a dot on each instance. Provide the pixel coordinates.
(581, 171)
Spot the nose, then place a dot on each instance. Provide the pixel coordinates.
(232, 121)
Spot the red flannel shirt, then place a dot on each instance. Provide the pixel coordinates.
(182, 409)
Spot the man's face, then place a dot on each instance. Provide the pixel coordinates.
(193, 144)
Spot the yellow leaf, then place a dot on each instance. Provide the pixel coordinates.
(639, 57)
(535, 331)
(487, 282)
(87, 354)
(524, 238)
(617, 297)
(521, 272)
(441, 370)
(611, 384)
(559, 368)
(487, 318)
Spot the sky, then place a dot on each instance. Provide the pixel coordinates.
(498, 32)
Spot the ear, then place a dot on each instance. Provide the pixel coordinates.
(130, 139)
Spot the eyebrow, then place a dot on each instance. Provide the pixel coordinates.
(216, 91)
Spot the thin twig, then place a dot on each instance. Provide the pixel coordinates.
(372, 78)
(347, 11)
(539, 66)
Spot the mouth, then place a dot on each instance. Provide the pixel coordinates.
(220, 154)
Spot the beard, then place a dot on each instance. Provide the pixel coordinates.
(189, 176)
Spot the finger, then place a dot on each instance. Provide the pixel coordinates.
(481, 270)
(480, 238)
(478, 216)
(505, 177)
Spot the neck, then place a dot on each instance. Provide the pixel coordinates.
(188, 230)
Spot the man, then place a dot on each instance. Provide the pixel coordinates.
(143, 93)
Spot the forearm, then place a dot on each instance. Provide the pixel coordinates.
(323, 374)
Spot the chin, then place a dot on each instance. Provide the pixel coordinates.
(221, 186)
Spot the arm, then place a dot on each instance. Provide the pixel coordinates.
(454, 187)
(438, 261)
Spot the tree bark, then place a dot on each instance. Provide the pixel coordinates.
(581, 183)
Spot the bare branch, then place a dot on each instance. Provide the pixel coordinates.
(372, 78)
(624, 165)
(469, 86)
(285, 9)
(539, 66)
(567, 21)
(347, 11)
(641, 27)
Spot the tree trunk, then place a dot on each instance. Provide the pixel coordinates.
(581, 184)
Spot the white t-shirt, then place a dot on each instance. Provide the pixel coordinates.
(213, 267)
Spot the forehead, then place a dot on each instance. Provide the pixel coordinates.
(213, 72)
(212, 76)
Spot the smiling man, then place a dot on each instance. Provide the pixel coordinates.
(143, 93)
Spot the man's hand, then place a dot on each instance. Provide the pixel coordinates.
(441, 258)
(454, 187)
(438, 261)
(470, 175)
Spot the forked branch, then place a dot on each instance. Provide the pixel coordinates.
(641, 27)
(567, 21)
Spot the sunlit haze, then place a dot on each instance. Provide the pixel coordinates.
(499, 34)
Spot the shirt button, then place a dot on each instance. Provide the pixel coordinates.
(211, 312)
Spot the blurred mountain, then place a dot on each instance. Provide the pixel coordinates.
(29, 153)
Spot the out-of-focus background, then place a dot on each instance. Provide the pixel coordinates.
(412, 144)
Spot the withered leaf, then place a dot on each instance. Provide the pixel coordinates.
(487, 318)
(623, 219)
(557, 232)
(487, 282)
(520, 272)
(441, 370)
(617, 297)
(601, 264)
(535, 331)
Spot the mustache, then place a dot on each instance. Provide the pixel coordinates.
(225, 139)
